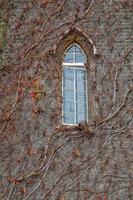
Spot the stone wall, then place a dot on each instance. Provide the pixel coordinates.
(41, 159)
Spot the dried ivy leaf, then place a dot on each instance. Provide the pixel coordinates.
(77, 152)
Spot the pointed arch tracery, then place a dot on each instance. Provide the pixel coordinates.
(74, 54)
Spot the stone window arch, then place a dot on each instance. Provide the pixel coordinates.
(69, 38)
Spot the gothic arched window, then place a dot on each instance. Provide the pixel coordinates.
(74, 87)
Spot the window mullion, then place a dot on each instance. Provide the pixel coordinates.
(86, 96)
(75, 109)
(75, 54)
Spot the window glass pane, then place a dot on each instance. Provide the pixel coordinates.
(68, 106)
(71, 49)
(69, 84)
(81, 96)
(81, 74)
(68, 58)
(80, 57)
(81, 117)
(81, 85)
(81, 107)
(77, 49)
(69, 118)
(69, 95)
(68, 73)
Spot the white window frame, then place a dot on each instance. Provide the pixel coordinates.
(81, 66)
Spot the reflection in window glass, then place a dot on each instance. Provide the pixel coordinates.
(81, 96)
(81, 107)
(80, 74)
(81, 117)
(68, 84)
(69, 58)
(68, 106)
(81, 85)
(77, 49)
(69, 73)
(68, 95)
(79, 58)
(69, 118)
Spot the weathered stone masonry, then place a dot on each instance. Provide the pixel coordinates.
(41, 159)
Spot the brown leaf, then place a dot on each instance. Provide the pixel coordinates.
(45, 1)
(23, 190)
(77, 152)
(62, 198)
(105, 197)
(17, 99)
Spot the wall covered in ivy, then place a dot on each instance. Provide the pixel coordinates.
(40, 158)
